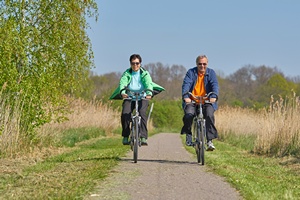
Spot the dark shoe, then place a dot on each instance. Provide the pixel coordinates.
(144, 141)
(188, 140)
(210, 146)
(125, 141)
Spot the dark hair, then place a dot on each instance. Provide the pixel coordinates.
(134, 56)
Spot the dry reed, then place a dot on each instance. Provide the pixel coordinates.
(86, 114)
(10, 133)
(277, 128)
(281, 134)
(10, 130)
(238, 120)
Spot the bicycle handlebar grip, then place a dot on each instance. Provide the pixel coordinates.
(134, 93)
(213, 93)
(207, 95)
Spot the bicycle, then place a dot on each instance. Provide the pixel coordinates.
(135, 138)
(198, 128)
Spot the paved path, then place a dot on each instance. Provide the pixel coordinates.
(165, 170)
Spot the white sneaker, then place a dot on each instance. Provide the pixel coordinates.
(188, 140)
(210, 146)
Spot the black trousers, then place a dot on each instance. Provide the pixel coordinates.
(208, 113)
(127, 108)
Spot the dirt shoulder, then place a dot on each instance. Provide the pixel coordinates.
(165, 170)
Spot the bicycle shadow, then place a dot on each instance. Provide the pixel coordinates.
(160, 161)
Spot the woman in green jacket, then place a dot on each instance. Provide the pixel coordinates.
(136, 79)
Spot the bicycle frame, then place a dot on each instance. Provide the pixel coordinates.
(199, 127)
(135, 141)
(135, 130)
(199, 133)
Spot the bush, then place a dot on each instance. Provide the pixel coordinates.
(167, 113)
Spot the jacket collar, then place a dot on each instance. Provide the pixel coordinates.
(141, 70)
(196, 71)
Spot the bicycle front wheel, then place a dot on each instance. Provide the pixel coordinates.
(136, 140)
(202, 141)
(198, 142)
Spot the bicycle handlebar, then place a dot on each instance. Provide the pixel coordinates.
(205, 98)
(136, 94)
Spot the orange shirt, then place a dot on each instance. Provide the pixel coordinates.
(199, 89)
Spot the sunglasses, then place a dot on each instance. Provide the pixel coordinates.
(204, 64)
(135, 63)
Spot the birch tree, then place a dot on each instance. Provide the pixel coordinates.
(45, 53)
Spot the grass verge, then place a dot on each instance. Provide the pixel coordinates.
(70, 175)
(255, 177)
(87, 158)
(75, 172)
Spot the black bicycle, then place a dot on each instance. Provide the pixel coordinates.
(135, 138)
(198, 127)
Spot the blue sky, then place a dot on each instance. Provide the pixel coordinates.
(232, 33)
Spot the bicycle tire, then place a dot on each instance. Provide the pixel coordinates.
(136, 140)
(202, 141)
(198, 142)
(194, 131)
(131, 136)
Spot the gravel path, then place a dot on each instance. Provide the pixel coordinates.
(165, 170)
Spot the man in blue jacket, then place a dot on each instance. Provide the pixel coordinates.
(200, 80)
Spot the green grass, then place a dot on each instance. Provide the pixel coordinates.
(76, 172)
(256, 177)
(70, 175)
(246, 142)
(72, 136)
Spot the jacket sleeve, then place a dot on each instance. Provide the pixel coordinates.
(214, 83)
(187, 84)
(147, 82)
(122, 84)
(124, 81)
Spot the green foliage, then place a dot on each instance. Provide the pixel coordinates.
(237, 103)
(45, 54)
(278, 85)
(167, 113)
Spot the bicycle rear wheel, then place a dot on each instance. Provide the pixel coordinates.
(136, 140)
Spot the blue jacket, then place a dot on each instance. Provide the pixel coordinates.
(210, 83)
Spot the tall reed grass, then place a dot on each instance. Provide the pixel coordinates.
(281, 134)
(276, 129)
(11, 139)
(83, 114)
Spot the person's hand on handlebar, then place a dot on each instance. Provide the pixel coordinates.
(212, 100)
(187, 100)
(124, 96)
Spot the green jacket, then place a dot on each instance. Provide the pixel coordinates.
(146, 81)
